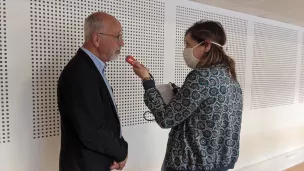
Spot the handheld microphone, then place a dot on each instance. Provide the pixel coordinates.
(130, 59)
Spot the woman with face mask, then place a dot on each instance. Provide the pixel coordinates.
(205, 114)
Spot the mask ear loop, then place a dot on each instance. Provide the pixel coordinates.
(217, 44)
(225, 49)
(198, 44)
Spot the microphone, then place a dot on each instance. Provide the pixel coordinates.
(130, 59)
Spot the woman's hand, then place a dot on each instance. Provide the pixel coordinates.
(140, 70)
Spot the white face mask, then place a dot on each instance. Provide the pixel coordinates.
(189, 58)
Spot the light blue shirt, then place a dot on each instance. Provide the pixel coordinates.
(101, 66)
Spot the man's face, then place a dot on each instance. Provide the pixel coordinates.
(111, 41)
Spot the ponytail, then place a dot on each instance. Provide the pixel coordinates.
(231, 65)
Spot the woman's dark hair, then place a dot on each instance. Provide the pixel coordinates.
(214, 32)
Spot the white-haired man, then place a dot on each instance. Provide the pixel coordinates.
(91, 137)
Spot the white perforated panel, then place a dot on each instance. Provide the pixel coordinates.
(301, 95)
(274, 66)
(143, 23)
(4, 118)
(54, 40)
(235, 28)
(57, 33)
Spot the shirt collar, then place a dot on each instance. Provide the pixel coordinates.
(98, 63)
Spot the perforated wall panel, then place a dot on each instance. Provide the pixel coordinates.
(57, 33)
(143, 23)
(301, 95)
(4, 118)
(236, 30)
(274, 66)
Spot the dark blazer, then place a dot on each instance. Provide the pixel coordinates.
(90, 129)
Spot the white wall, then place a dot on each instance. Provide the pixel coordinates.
(268, 130)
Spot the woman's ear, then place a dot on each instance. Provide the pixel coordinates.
(207, 45)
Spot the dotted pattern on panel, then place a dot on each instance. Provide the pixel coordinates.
(235, 28)
(4, 118)
(143, 23)
(57, 33)
(301, 95)
(274, 66)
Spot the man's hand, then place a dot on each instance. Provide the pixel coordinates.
(123, 164)
(119, 166)
(115, 165)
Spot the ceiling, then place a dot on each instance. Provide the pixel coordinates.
(288, 11)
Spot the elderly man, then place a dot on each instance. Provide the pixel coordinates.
(91, 137)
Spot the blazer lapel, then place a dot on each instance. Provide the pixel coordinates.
(104, 86)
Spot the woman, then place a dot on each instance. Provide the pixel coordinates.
(205, 114)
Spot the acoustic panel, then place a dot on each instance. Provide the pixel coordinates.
(54, 40)
(274, 66)
(236, 32)
(57, 33)
(143, 23)
(4, 118)
(301, 95)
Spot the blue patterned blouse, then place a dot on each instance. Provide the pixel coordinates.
(205, 120)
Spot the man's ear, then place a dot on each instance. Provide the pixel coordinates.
(96, 39)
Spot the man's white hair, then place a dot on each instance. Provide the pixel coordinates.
(91, 24)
